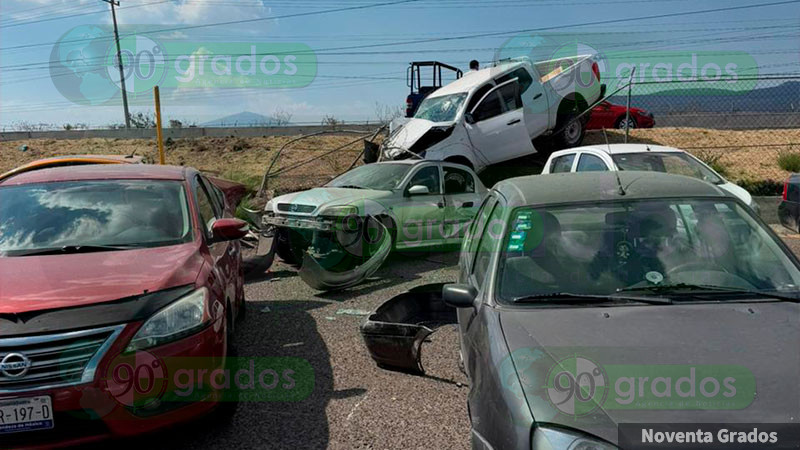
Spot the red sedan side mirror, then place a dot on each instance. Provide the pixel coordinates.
(229, 229)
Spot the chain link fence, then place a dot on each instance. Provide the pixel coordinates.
(746, 128)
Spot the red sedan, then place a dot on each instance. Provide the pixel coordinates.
(609, 115)
(106, 272)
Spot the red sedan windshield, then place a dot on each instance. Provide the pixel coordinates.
(38, 217)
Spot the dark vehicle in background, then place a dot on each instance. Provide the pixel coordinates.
(572, 285)
(108, 269)
(789, 208)
(415, 82)
(609, 115)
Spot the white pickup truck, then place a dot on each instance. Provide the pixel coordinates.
(494, 114)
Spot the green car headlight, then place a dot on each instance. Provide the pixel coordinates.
(545, 438)
(181, 318)
(344, 218)
(339, 211)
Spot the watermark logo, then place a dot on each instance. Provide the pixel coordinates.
(727, 72)
(143, 381)
(84, 64)
(577, 383)
(137, 380)
(577, 386)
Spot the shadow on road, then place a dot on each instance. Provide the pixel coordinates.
(282, 328)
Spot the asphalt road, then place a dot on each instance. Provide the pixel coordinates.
(354, 404)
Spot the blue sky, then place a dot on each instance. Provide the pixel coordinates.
(349, 83)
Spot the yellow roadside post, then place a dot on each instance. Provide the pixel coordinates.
(159, 133)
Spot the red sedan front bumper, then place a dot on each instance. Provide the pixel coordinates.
(95, 411)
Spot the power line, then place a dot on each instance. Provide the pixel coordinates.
(16, 24)
(231, 22)
(702, 37)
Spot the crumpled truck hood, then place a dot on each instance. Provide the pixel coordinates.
(754, 345)
(407, 136)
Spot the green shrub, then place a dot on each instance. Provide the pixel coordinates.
(253, 182)
(789, 161)
(762, 187)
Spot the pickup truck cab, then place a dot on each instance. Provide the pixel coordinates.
(643, 157)
(493, 115)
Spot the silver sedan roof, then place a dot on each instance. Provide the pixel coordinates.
(592, 187)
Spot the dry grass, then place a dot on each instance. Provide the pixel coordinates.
(241, 159)
(246, 159)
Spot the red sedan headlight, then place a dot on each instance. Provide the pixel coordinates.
(181, 318)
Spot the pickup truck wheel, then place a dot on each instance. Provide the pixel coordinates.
(572, 131)
(621, 123)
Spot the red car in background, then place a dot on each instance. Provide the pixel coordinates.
(105, 267)
(609, 115)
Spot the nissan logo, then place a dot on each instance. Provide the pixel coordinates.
(14, 365)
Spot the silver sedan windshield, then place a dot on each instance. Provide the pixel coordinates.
(602, 249)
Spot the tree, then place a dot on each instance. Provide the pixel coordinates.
(281, 117)
(386, 113)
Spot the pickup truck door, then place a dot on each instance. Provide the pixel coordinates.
(496, 125)
(536, 109)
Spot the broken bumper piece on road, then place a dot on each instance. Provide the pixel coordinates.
(394, 333)
(316, 276)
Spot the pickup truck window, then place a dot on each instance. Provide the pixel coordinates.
(563, 164)
(490, 107)
(522, 75)
(511, 98)
(440, 109)
(478, 95)
(591, 163)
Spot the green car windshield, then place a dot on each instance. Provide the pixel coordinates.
(383, 177)
(603, 248)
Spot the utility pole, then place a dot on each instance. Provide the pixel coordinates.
(113, 4)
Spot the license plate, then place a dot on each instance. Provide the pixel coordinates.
(26, 414)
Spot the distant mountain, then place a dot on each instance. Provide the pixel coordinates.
(784, 97)
(242, 119)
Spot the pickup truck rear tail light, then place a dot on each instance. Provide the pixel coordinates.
(786, 189)
(409, 106)
(596, 70)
